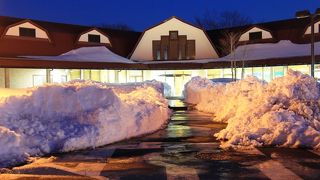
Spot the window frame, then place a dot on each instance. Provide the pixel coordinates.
(174, 35)
(27, 32)
(94, 36)
(252, 36)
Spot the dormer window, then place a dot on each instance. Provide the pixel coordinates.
(27, 32)
(316, 28)
(94, 38)
(255, 36)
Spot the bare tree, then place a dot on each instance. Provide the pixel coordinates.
(232, 19)
(212, 20)
(207, 21)
(229, 43)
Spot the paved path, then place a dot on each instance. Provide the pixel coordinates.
(186, 149)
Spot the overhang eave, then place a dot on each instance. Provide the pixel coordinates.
(13, 62)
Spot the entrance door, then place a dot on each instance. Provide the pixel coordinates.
(176, 80)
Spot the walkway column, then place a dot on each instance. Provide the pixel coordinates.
(6, 78)
(48, 75)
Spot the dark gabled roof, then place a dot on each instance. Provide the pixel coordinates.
(63, 37)
(290, 29)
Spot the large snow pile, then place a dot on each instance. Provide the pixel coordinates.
(196, 89)
(284, 112)
(77, 115)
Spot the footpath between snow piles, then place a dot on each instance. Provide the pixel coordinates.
(282, 113)
(76, 115)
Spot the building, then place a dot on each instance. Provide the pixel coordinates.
(36, 52)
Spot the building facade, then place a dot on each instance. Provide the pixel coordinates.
(33, 52)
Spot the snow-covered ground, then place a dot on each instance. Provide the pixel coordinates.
(284, 112)
(76, 115)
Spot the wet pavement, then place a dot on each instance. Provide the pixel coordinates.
(186, 149)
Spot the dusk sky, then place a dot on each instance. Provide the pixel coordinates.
(141, 14)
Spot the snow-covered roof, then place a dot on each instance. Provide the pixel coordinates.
(264, 51)
(282, 49)
(86, 54)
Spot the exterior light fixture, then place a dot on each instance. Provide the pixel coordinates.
(303, 14)
(307, 14)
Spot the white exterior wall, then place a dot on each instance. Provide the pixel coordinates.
(316, 28)
(103, 38)
(265, 34)
(14, 31)
(204, 49)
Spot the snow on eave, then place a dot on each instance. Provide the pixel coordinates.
(86, 54)
(263, 51)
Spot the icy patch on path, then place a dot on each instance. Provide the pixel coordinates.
(284, 112)
(77, 115)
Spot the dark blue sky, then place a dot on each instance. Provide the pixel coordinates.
(141, 14)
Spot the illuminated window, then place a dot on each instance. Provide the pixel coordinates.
(247, 72)
(214, 73)
(257, 72)
(302, 68)
(174, 47)
(227, 73)
(158, 55)
(165, 53)
(86, 74)
(267, 74)
(239, 73)
(156, 50)
(74, 74)
(278, 71)
(27, 32)
(39, 80)
(95, 75)
(191, 49)
(135, 76)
